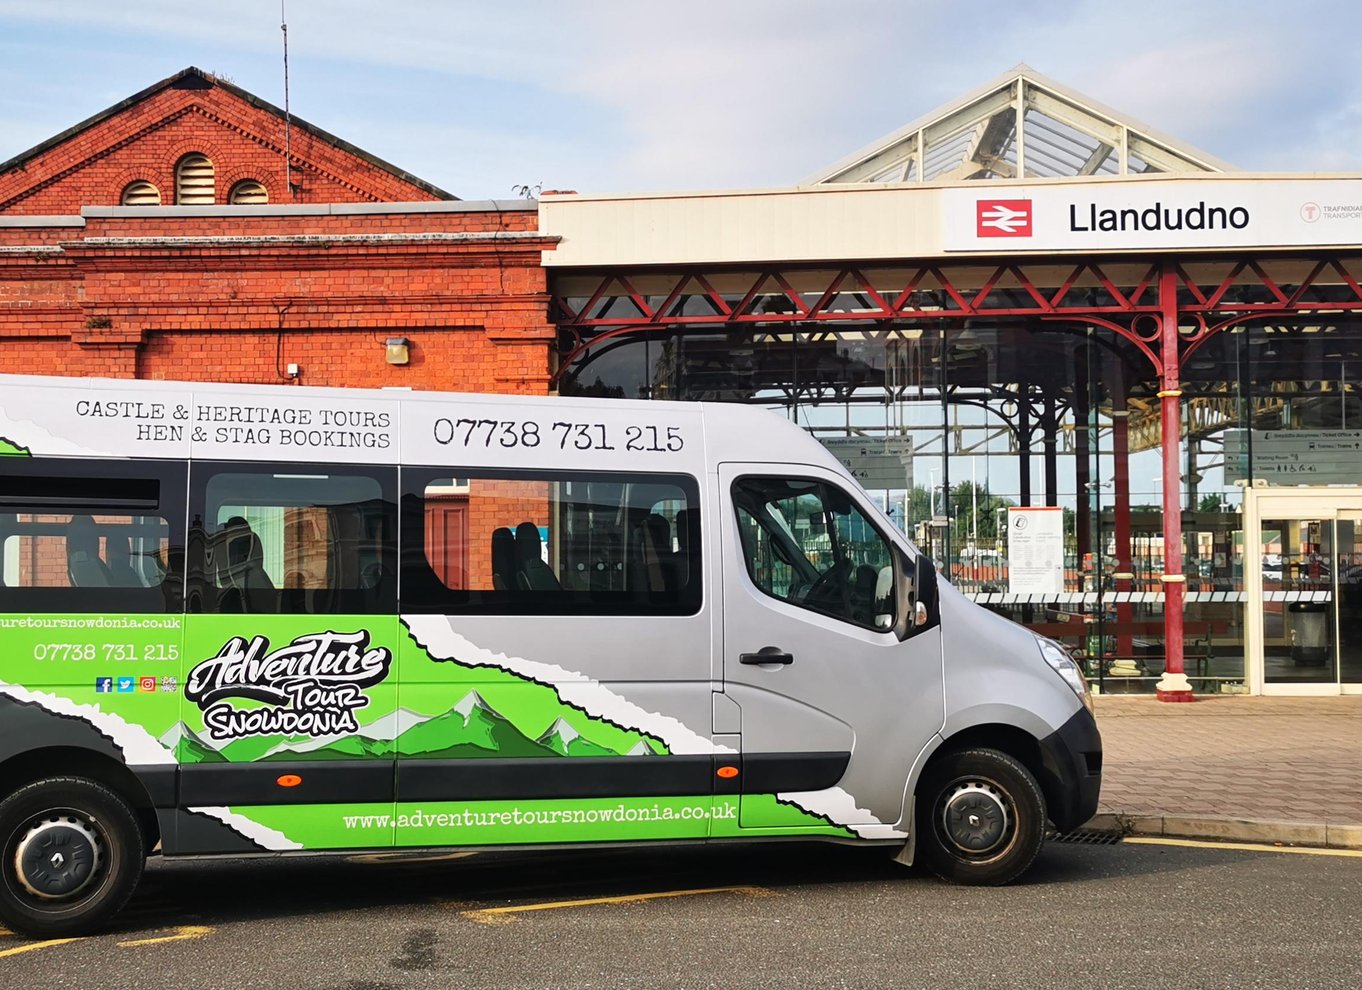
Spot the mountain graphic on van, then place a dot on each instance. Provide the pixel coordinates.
(564, 740)
(188, 746)
(471, 729)
(377, 739)
(9, 448)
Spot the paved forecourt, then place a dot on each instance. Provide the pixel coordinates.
(1268, 769)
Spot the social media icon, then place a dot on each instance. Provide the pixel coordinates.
(103, 685)
(126, 685)
(169, 685)
(146, 684)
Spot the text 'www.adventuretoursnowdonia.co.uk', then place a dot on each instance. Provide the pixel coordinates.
(517, 817)
(90, 622)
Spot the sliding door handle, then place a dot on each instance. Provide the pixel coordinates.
(767, 654)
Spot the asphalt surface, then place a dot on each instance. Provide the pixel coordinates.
(1128, 915)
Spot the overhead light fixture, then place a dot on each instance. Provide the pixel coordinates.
(397, 350)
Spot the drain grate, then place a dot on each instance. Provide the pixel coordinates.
(1086, 837)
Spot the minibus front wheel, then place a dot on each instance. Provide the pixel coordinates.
(70, 856)
(981, 817)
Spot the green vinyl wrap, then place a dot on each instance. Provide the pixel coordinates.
(537, 822)
(129, 674)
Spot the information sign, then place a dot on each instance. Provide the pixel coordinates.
(1035, 550)
(877, 463)
(1295, 457)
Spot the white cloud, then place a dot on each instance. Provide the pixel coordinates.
(712, 93)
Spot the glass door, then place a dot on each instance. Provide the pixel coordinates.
(1347, 568)
(1298, 603)
(1304, 583)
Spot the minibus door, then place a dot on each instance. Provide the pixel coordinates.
(837, 693)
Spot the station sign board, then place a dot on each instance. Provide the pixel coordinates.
(879, 464)
(1295, 457)
(1138, 214)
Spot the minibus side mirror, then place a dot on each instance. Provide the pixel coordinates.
(915, 592)
(925, 611)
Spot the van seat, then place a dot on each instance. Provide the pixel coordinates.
(532, 574)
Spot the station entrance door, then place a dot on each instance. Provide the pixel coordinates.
(1303, 578)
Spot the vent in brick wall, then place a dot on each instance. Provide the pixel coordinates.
(194, 183)
(248, 193)
(141, 194)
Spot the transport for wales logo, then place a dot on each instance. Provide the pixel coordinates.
(312, 687)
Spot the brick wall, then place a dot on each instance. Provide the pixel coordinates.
(228, 294)
(238, 298)
(145, 139)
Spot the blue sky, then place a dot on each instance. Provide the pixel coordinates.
(632, 96)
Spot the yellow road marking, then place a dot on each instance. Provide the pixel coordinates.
(37, 945)
(1241, 846)
(183, 933)
(501, 915)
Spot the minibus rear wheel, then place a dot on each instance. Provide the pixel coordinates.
(71, 853)
(981, 817)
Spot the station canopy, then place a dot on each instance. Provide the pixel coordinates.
(1020, 125)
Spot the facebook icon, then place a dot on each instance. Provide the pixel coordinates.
(103, 685)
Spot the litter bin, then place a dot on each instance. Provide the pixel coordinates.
(1309, 633)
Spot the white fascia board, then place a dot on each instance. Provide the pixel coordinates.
(904, 221)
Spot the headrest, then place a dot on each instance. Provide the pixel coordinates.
(82, 537)
(528, 546)
(240, 545)
(117, 550)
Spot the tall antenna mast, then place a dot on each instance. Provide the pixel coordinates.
(288, 120)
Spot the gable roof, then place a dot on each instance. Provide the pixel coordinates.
(1021, 115)
(192, 78)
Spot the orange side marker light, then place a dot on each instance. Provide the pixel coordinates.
(289, 780)
(728, 773)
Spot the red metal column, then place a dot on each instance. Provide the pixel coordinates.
(1174, 686)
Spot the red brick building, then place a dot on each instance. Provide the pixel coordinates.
(161, 239)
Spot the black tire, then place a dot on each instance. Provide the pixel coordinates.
(95, 843)
(981, 817)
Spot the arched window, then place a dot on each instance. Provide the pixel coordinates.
(248, 192)
(141, 193)
(194, 184)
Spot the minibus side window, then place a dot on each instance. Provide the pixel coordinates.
(554, 543)
(88, 536)
(265, 540)
(805, 542)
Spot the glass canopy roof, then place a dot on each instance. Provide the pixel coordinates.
(1019, 125)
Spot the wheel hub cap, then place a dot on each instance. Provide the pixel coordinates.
(975, 818)
(57, 857)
